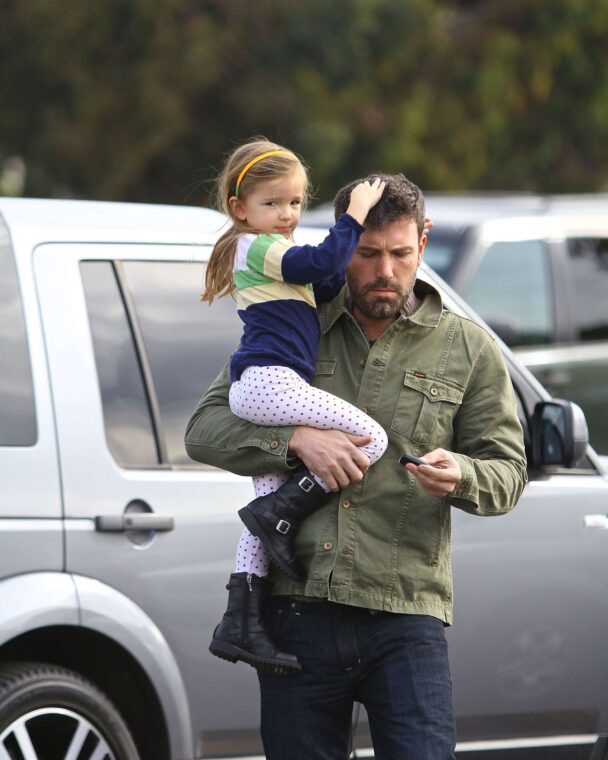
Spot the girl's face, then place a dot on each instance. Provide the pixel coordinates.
(273, 206)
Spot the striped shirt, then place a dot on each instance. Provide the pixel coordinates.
(278, 285)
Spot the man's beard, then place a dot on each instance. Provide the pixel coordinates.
(374, 306)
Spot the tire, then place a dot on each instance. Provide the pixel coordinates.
(50, 712)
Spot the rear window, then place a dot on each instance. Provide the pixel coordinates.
(17, 410)
(440, 253)
(186, 342)
(157, 350)
(512, 291)
(588, 260)
(126, 411)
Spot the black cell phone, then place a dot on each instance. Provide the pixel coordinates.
(409, 459)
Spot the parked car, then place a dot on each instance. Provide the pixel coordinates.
(115, 547)
(535, 268)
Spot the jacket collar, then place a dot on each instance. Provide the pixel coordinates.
(427, 315)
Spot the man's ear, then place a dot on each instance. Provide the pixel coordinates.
(238, 208)
(421, 246)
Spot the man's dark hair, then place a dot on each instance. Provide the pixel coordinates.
(401, 199)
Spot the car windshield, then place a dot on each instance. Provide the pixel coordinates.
(440, 252)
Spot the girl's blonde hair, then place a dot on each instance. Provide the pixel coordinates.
(218, 277)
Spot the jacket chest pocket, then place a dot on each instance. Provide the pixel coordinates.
(324, 377)
(426, 408)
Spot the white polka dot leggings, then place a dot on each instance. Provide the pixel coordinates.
(279, 396)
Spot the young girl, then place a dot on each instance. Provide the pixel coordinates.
(263, 188)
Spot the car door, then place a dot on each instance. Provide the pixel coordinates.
(131, 349)
(531, 601)
(31, 537)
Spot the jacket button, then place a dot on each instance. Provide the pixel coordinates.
(346, 503)
(434, 391)
(364, 409)
(274, 444)
(362, 362)
(328, 546)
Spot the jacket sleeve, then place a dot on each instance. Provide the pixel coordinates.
(489, 440)
(302, 264)
(326, 290)
(216, 436)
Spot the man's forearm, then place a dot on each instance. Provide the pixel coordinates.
(489, 442)
(216, 436)
(488, 487)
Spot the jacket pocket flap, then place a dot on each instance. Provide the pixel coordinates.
(433, 388)
(325, 367)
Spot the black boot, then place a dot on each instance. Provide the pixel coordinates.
(242, 635)
(275, 518)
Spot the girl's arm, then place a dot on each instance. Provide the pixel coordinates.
(328, 288)
(301, 264)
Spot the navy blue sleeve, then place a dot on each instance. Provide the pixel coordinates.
(303, 264)
(329, 287)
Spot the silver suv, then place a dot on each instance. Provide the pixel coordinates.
(115, 547)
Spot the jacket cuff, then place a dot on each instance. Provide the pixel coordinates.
(275, 445)
(467, 490)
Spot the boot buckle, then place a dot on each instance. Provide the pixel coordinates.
(283, 526)
(306, 484)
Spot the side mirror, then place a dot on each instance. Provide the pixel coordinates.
(559, 434)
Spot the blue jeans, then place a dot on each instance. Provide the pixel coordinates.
(395, 665)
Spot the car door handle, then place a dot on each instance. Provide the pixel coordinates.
(133, 521)
(596, 521)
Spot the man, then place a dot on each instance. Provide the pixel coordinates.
(367, 624)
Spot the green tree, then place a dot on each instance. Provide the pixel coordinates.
(140, 100)
(92, 92)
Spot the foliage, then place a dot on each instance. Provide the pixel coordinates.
(139, 100)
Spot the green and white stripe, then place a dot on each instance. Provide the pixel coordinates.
(258, 274)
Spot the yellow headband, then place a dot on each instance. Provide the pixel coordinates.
(254, 161)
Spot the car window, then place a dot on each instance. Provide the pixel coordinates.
(126, 411)
(588, 262)
(511, 291)
(440, 253)
(17, 410)
(187, 342)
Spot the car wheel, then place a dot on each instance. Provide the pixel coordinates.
(50, 712)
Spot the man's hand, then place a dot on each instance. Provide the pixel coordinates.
(440, 476)
(330, 454)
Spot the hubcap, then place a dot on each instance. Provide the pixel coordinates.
(53, 733)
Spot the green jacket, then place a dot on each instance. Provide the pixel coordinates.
(431, 380)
